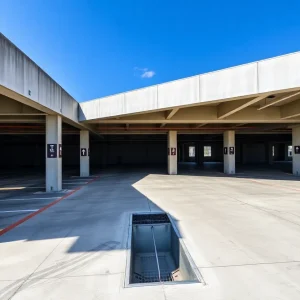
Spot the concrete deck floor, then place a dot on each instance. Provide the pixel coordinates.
(243, 233)
(22, 192)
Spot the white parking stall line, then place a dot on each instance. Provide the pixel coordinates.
(15, 211)
(74, 183)
(93, 176)
(74, 180)
(24, 199)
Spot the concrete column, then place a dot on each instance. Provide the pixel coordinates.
(296, 150)
(229, 152)
(172, 152)
(53, 154)
(84, 153)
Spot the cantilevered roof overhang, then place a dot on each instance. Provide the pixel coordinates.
(247, 85)
(266, 91)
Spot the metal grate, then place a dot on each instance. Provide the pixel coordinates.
(152, 277)
(150, 219)
(156, 253)
(149, 272)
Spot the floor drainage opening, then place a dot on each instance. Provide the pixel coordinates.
(157, 254)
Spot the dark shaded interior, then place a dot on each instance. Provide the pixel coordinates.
(198, 150)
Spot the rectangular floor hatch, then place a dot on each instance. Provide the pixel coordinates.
(156, 252)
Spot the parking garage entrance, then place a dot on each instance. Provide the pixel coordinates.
(198, 151)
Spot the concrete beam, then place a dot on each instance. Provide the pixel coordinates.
(14, 96)
(204, 114)
(278, 101)
(13, 107)
(15, 119)
(227, 109)
(290, 110)
(200, 125)
(171, 113)
(23, 114)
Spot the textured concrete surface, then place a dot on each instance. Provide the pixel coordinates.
(242, 232)
(22, 193)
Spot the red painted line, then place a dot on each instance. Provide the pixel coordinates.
(94, 179)
(14, 225)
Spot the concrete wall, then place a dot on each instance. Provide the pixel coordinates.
(269, 75)
(20, 74)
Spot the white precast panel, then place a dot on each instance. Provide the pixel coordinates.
(49, 92)
(69, 107)
(31, 79)
(279, 73)
(11, 66)
(113, 105)
(229, 83)
(179, 92)
(103, 107)
(141, 100)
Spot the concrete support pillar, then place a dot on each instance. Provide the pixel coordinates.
(172, 152)
(296, 150)
(229, 152)
(84, 153)
(53, 154)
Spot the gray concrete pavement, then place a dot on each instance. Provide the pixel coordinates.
(243, 233)
(22, 193)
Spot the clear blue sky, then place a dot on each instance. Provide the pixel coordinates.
(102, 47)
